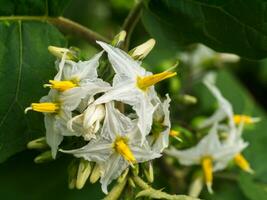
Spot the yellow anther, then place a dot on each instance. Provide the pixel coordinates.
(245, 119)
(123, 149)
(145, 82)
(47, 107)
(174, 133)
(241, 162)
(60, 85)
(207, 169)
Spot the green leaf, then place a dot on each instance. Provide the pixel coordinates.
(32, 7)
(21, 179)
(226, 26)
(253, 188)
(25, 65)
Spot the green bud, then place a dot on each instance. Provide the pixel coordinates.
(135, 169)
(72, 173)
(123, 176)
(44, 157)
(131, 182)
(39, 143)
(187, 99)
(141, 51)
(116, 191)
(149, 172)
(59, 52)
(83, 173)
(119, 39)
(95, 174)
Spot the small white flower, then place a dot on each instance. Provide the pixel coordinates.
(209, 152)
(132, 85)
(118, 146)
(77, 80)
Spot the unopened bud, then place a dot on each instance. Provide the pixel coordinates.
(123, 176)
(135, 169)
(44, 157)
(72, 173)
(149, 173)
(39, 143)
(187, 99)
(141, 51)
(196, 185)
(83, 173)
(59, 52)
(95, 175)
(116, 191)
(119, 39)
(131, 182)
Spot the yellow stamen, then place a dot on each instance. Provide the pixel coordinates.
(174, 133)
(60, 85)
(241, 162)
(145, 82)
(47, 107)
(122, 148)
(207, 169)
(245, 119)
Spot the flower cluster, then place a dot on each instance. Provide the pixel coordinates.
(82, 104)
(223, 142)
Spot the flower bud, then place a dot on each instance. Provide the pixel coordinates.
(119, 39)
(187, 99)
(72, 173)
(43, 157)
(95, 174)
(39, 143)
(83, 173)
(141, 51)
(59, 52)
(149, 173)
(123, 176)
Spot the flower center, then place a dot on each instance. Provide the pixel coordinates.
(46, 107)
(241, 162)
(145, 82)
(61, 85)
(207, 169)
(123, 149)
(174, 133)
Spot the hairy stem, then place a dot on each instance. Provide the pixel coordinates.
(65, 25)
(131, 21)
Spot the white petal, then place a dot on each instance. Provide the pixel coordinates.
(143, 153)
(112, 169)
(122, 63)
(53, 136)
(97, 150)
(60, 67)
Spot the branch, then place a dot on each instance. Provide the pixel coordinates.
(66, 25)
(131, 21)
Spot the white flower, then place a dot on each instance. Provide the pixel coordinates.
(77, 80)
(118, 146)
(132, 85)
(209, 152)
(57, 114)
(88, 123)
(159, 141)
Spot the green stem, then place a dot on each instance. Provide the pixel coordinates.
(131, 21)
(65, 25)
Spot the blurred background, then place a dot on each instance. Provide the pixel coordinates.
(242, 81)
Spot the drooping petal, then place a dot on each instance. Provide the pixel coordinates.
(53, 134)
(112, 169)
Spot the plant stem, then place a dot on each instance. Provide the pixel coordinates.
(65, 25)
(131, 21)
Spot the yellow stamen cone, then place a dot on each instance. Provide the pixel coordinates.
(238, 119)
(47, 107)
(60, 85)
(241, 162)
(174, 133)
(145, 82)
(207, 169)
(122, 148)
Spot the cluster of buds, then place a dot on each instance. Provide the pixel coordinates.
(81, 104)
(223, 142)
